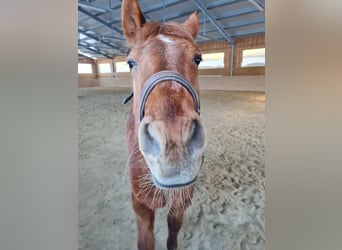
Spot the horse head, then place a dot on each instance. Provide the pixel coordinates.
(164, 63)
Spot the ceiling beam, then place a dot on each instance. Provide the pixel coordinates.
(176, 16)
(100, 40)
(88, 47)
(247, 15)
(225, 4)
(84, 55)
(160, 6)
(257, 4)
(87, 13)
(202, 7)
(241, 34)
(244, 15)
(236, 26)
(93, 6)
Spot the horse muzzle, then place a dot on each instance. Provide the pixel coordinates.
(174, 158)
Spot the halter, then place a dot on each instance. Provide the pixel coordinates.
(165, 75)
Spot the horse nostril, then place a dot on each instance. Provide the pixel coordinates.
(148, 140)
(148, 132)
(197, 139)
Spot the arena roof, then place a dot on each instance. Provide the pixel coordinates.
(100, 32)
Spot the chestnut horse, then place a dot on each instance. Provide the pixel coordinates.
(165, 134)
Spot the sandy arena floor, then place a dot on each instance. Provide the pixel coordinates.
(228, 207)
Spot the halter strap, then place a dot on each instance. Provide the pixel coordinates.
(127, 98)
(165, 75)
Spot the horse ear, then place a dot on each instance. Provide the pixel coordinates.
(192, 24)
(132, 19)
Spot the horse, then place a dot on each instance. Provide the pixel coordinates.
(165, 135)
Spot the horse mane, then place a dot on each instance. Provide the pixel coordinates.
(152, 29)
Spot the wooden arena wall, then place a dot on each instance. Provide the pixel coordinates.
(243, 78)
(241, 44)
(89, 80)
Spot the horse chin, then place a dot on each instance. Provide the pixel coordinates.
(172, 176)
(167, 184)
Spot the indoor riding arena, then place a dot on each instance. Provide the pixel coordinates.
(228, 204)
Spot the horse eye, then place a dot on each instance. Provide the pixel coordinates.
(131, 64)
(197, 59)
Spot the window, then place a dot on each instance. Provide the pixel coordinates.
(253, 58)
(212, 61)
(84, 68)
(105, 68)
(121, 67)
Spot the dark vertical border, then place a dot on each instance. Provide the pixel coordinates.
(38, 116)
(303, 125)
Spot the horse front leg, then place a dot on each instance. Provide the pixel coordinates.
(145, 222)
(174, 222)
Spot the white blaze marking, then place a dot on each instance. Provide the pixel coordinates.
(168, 40)
(165, 39)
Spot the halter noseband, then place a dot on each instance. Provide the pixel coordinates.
(165, 75)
